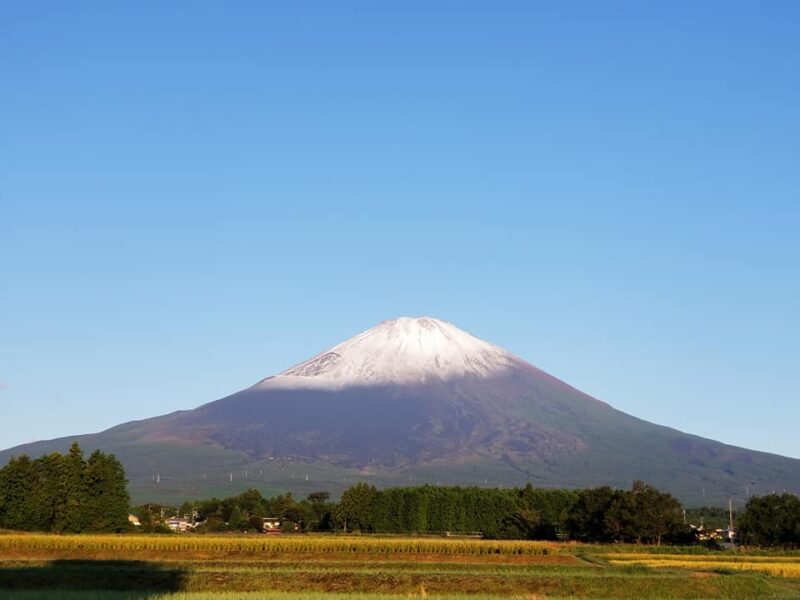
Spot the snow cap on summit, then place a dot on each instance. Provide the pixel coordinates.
(404, 350)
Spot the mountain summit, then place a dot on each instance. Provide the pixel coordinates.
(401, 351)
(419, 400)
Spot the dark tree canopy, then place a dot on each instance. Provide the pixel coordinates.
(64, 493)
(642, 514)
(587, 517)
(772, 520)
(528, 513)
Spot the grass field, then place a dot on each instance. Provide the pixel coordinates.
(128, 567)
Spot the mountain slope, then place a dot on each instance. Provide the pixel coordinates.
(417, 399)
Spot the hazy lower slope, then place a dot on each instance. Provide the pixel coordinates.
(420, 400)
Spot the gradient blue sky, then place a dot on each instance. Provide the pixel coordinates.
(196, 195)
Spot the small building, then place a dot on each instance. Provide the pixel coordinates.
(179, 524)
(276, 525)
(721, 536)
(134, 520)
(271, 525)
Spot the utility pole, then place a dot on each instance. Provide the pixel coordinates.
(730, 518)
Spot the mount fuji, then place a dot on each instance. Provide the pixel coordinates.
(417, 400)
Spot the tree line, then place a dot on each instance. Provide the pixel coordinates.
(69, 493)
(642, 514)
(494, 512)
(64, 493)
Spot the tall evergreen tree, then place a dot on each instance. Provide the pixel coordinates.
(355, 508)
(108, 502)
(64, 493)
(72, 512)
(16, 488)
(43, 504)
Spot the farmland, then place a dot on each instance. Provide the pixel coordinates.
(108, 567)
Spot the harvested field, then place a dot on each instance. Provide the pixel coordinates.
(312, 567)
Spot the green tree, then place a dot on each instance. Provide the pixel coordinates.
(771, 520)
(72, 514)
(551, 505)
(64, 493)
(108, 503)
(321, 511)
(16, 490)
(318, 498)
(251, 502)
(526, 521)
(655, 514)
(643, 514)
(237, 520)
(620, 521)
(354, 510)
(587, 518)
(47, 494)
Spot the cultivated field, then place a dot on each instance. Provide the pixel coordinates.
(128, 567)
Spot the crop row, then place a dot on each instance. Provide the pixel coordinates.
(288, 544)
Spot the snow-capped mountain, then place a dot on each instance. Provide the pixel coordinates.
(400, 351)
(419, 400)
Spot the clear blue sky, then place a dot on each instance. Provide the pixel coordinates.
(196, 195)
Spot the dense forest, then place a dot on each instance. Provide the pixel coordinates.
(64, 493)
(506, 513)
(641, 514)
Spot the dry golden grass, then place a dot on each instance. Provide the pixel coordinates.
(775, 566)
(283, 545)
(703, 557)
